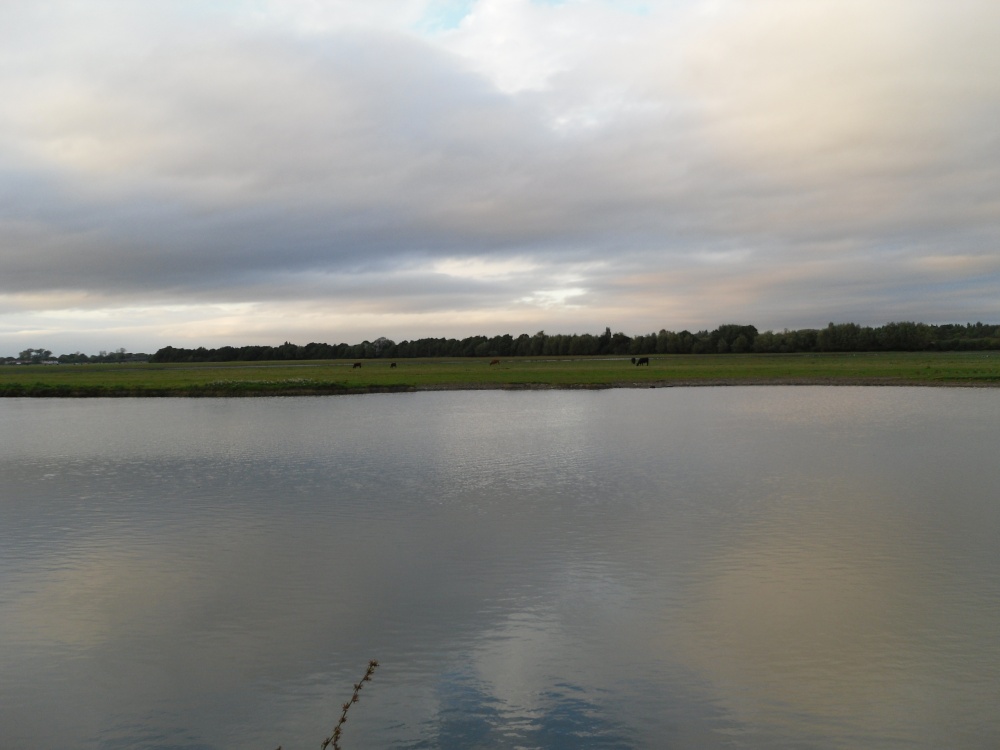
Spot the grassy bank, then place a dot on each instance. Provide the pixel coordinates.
(336, 377)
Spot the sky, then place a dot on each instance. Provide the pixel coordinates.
(229, 172)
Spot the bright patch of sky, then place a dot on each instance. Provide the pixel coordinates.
(482, 268)
(442, 15)
(548, 298)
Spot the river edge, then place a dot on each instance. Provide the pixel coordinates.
(333, 390)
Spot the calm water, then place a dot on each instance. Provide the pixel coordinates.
(680, 568)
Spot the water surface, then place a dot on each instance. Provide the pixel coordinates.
(691, 568)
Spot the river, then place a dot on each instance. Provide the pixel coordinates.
(740, 567)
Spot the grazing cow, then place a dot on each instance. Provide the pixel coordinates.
(356, 366)
(642, 361)
(494, 362)
(392, 365)
(633, 360)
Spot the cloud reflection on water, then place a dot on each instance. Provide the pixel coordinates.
(635, 567)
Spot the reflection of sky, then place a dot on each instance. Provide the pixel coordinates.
(469, 715)
(599, 569)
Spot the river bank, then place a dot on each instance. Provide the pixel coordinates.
(336, 390)
(337, 377)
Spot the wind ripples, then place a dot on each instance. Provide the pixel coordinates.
(691, 568)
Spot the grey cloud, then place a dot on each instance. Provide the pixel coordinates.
(150, 156)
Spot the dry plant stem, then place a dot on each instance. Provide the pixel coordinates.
(334, 738)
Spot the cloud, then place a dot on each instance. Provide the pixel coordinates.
(165, 154)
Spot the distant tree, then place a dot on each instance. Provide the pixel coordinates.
(586, 344)
(34, 355)
(604, 342)
(619, 344)
(538, 343)
(897, 336)
(729, 333)
(73, 359)
(905, 336)
(766, 343)
(383, 347)
(637, 345)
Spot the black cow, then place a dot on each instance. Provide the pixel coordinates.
(642, 361)
(392, 365)
(356, 366)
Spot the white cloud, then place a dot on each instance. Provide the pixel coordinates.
(548, 298)
(482, 268)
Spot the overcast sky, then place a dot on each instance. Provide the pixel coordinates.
(196, 172)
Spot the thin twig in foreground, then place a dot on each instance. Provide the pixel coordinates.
(334, 738)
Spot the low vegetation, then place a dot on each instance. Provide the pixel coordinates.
(334, 739)
(377, 375)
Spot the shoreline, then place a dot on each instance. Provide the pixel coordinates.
(102, 392)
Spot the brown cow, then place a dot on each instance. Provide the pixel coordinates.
(494, 362)
(356, 366)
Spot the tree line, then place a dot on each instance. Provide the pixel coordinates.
(45, 356)
(730, 338)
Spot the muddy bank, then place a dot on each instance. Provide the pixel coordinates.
(340, 390)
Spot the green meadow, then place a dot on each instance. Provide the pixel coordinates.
(339, 376)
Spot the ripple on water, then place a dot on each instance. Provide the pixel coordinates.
(779, 567)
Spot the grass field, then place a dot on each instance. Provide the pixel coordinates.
(333, 377)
